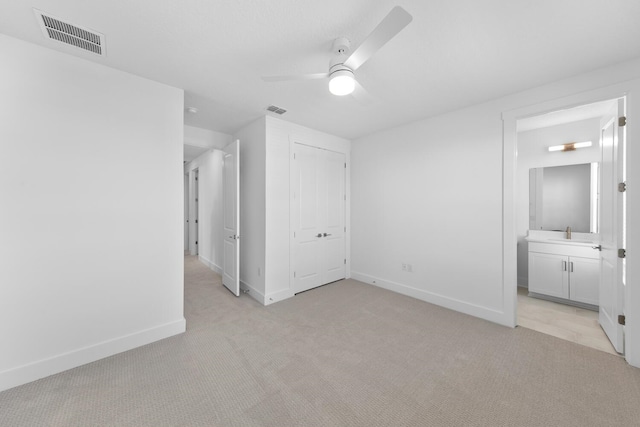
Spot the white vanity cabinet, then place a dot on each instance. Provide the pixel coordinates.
(564, 270)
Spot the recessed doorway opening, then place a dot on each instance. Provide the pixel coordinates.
(569, 221)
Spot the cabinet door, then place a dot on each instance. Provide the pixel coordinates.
(334, 256)
(548, 274)
(584, 278)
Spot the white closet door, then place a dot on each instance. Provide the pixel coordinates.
(334, 212)
(318, 217)
(308, 231)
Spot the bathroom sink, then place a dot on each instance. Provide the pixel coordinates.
(576, 242)
(557, 238)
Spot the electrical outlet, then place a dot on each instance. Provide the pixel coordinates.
(404, 267)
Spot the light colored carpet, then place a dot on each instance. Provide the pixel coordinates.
(346, 354)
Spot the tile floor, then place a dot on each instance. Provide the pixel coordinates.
(562, 321)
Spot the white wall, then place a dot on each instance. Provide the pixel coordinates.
(533, 153)
(205, 138)
(430, 193)
(91, 222)
(265, 156)
(252, 208)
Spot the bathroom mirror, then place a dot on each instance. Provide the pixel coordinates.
(564, 196)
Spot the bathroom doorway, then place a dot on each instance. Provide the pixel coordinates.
(569, 218)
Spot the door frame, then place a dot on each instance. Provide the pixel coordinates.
(315, 140)
(293, 208)
(509, 235)
(186, 200)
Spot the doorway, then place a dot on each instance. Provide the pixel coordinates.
(568, 228)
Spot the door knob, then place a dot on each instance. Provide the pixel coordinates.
(599, 247)
(325, 234)
(319, 235)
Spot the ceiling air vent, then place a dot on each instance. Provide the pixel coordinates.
(64, 32)
(276, 110)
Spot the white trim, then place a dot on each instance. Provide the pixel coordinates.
(433, 298)
(62, 362)
(509, 234)
(510, 118)
(253, 292)
(278, 296)
(212, 265)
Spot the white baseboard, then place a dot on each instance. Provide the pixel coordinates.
(62, 362)
(486, 313)
(265, 299)
(278, 296)
(212, 265)
(253, 292)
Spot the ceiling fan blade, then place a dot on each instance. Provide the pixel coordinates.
(391, 25)
(362, 96)
(294, 77)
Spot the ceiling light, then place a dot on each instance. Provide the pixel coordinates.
(342, 82)
(571, 146)
(192, 110)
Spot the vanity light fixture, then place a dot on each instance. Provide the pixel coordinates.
(570, 146)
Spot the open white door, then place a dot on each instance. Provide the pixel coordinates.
(231, 184)
(612, 226)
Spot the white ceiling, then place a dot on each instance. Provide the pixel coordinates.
(190, 152)
(455, 52)
(570, 115)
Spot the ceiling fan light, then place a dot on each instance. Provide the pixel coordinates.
(342, 83)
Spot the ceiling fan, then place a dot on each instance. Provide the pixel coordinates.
(344, 63)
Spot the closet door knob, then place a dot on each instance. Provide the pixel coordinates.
(319, 235)
(325, 234)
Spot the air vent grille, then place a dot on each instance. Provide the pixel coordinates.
(276, 110)
(83, 38)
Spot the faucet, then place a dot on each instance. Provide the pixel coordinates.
(568, 233)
